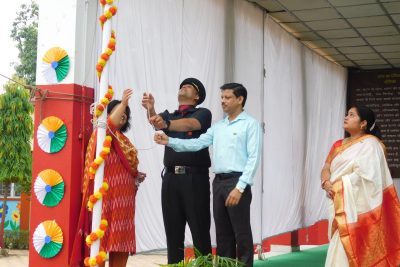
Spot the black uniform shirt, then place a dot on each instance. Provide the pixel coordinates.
(195, 159)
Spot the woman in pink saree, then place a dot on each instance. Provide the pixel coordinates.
(364, 209)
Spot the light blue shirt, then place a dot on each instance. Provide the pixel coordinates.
(236, 146)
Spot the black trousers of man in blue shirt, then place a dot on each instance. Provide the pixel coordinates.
(232, 223)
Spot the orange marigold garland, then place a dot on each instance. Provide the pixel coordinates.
(94, 261)
(101, 157)
(108, 2)
(106, 54)
(104, 101)
(97, 196)
(98, 234)
(93, 169)
(104, 57)
(108, 14)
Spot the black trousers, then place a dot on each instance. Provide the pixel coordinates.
(232, 224)
(186, 198)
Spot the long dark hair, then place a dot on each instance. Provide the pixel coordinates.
(365, 113)
(127, 125)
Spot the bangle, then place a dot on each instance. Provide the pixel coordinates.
(323, 183)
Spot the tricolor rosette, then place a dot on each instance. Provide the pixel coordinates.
(55, 65)
(51, 134)
(48, 239)
(49, 188)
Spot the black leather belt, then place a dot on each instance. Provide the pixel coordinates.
(185, 169)
(223, 176)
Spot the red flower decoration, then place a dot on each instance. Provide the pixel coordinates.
(103, 19)
(99, 259)
(113, 10)
(105, 56)
(111, 46)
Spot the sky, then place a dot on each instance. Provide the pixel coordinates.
(9, 52)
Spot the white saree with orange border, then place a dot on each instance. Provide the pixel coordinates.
(364, 216)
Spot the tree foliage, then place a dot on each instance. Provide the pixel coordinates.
(16, 128)
(24, 32)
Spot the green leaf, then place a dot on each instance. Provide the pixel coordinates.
(13, 225)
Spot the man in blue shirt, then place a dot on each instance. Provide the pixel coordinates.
(237, 142)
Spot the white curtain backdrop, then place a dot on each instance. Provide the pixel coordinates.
(301, 99)
(304, 101)
(325, 111)
(285, 119)
(248, 69)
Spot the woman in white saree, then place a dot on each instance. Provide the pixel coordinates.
(364, 210)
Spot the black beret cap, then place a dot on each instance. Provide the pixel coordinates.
(198, 86)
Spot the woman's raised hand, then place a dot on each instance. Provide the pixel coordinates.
(126, 96)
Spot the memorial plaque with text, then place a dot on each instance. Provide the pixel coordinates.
(380, 91)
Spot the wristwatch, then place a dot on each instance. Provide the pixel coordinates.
(167, 123)
(241, 190)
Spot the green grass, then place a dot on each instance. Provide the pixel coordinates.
(314, 257)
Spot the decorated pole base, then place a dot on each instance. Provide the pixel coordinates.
(56, 181)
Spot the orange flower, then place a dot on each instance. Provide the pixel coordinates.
(93, 237)
(113, 10)
(107, 143)
(103, 154)
(99, 259)
(100, 107)
(105, 56)
(86, 261)
(103, 19)
(111, 46)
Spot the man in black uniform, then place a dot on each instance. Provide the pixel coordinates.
(185, 193)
